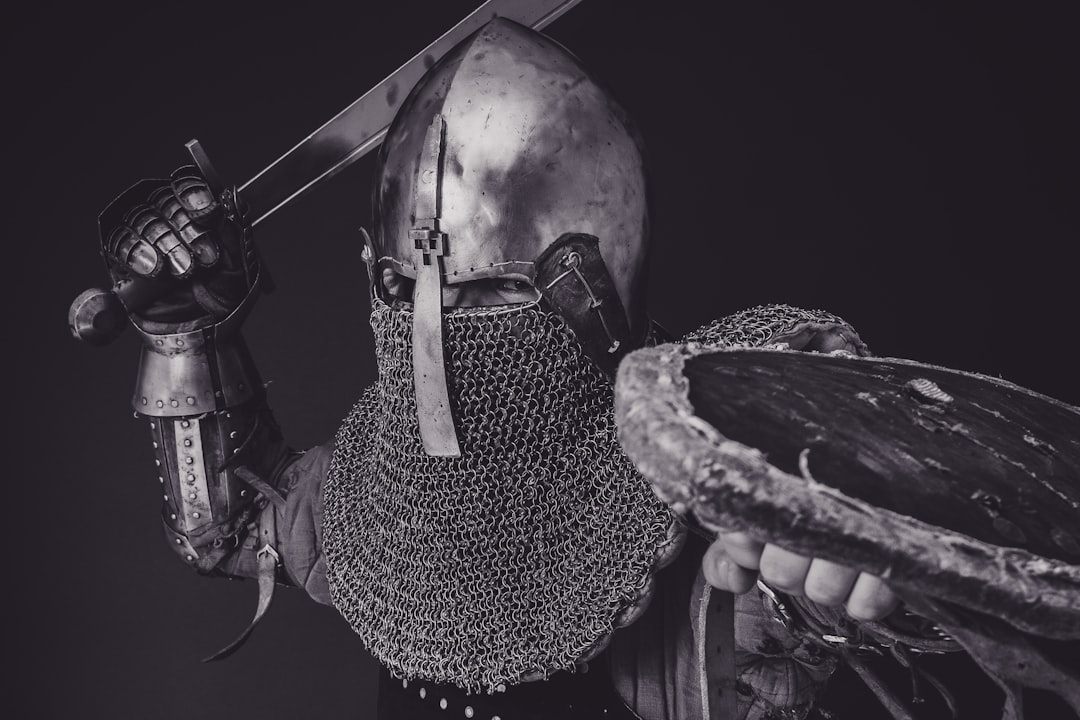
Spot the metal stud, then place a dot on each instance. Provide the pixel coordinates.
(442, 703)
(155, 445)
(172, 516)
(423, 693)
(151, 424)
(179, 342)
(185, 424)
(232, 435)
(189, 460)
(187, 442)
(192, 495)
(190, 400)
(157, 462)
(160, 479)
(404, 683)
(190, 558)
(166, 498)
(468, 711)
(179, 541)
(160, 403)
(190, 478)
(196, 515)
(174, 403)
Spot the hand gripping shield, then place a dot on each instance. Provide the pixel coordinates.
(963, 491)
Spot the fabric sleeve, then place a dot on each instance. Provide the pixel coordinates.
(300, 524)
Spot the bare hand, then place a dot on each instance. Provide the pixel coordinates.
(735, 560)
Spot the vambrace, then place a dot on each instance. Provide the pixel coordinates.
(217, 448)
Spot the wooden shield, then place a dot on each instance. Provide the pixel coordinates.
(951, 485)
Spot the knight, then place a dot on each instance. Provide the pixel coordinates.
(474, 520)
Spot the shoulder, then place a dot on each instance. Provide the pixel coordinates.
(795, 327)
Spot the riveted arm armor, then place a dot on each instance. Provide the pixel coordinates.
(217, 448)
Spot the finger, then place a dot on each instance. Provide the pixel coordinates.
(128, 247)
(829, 583)
(742, 549)
(784, 569)
(870, 598)
(722, 573)
(199, 242)
(194, 194)
(154, 229)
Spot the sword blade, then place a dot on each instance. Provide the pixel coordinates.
(361, 127)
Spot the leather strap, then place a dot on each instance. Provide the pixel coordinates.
(719, 692)
(267, 560)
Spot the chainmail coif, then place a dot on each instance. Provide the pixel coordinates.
(516, 559)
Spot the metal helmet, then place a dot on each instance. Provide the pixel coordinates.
(509, 160)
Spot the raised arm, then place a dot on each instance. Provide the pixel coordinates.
(218, 451)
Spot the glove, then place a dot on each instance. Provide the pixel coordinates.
(190, 248)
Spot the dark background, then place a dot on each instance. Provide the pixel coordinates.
(911, 167)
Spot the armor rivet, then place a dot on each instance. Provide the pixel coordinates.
(172, 516)
(166, 498)
(190, 558)
(189, 461)
(160, 403)
(190, 478)
(136, 413)
(468, 711)
(179, 342)
(243, 493)
(191, 495)
(235, 450)
(228, 414)
(423, 693)
(190, 400)
(495, 717)
(185, 423)
(143, 402)
(160, 479)
(232, 435)
(404, 683)
(159, 343)
(442, 703)
(151, 424)
(174, 403)
(179, 541)
(157, 462)
(196, 515)
(154, 444)
(187, 442)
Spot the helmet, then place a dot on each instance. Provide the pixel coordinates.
(509, 160)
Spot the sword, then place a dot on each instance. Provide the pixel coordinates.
(98, 316)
